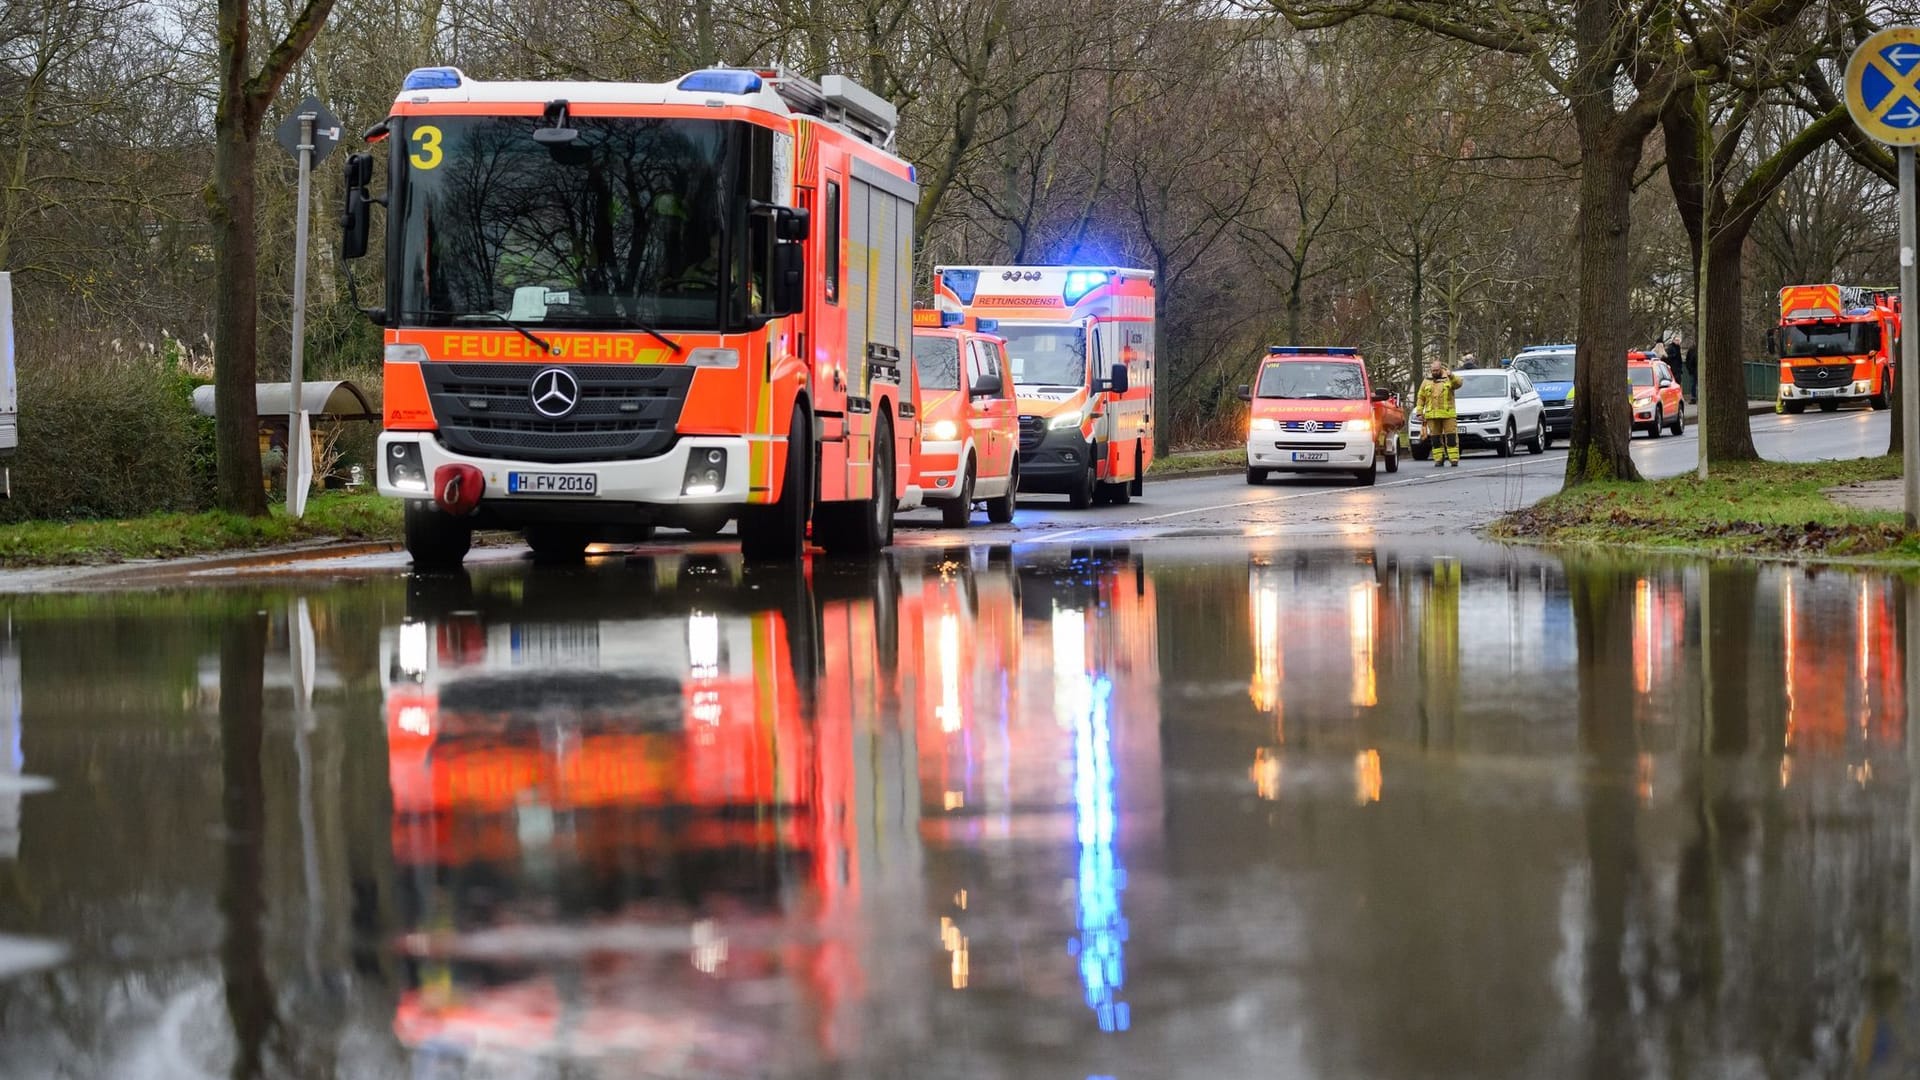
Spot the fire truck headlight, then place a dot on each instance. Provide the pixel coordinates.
(1860, 387)
(714, 358)
(1264, 423)
(706, 471)
(404, 468)
(1064, 420)
(945, 430)
(1362, 424)
(406, 354)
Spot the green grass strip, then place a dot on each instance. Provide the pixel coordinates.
(333, 515)
(1768, 508)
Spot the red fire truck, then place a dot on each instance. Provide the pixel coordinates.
(1835, 344)
(616, 305)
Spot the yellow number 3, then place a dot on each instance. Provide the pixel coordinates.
(426, 141)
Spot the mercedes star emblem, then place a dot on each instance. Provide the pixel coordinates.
(554, 392)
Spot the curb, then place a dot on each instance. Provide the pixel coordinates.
(151, 571)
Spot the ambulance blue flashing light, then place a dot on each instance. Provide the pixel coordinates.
(1082, 282)
(951, 318)
(432, 78)
(1312, 350)
(722, 81)
(987, 326)
(961, 283)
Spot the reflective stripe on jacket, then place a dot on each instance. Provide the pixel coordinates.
(1436, 397)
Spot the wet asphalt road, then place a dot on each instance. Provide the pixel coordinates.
(1419, 499)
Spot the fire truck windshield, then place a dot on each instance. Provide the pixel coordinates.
(937, 361)
(1047, 355)
(1829, 339)
(1312, 380)
(626, 226)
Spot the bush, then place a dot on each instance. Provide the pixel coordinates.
(106, 431)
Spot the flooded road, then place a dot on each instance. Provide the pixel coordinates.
(1241, 811)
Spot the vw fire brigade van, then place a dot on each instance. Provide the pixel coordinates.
(969, 445)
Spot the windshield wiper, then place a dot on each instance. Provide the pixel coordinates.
(493, 315)
(635, 324)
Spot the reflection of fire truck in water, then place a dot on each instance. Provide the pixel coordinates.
(1843, 673)
(616, 305)
(603, 819)
(1836, 344)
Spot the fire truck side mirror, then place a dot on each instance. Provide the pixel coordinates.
(789, 279)
(355, 219)
(1773, 341)
(1245, 393)
(794, 224)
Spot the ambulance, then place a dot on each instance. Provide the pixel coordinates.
(611, 306)
(1080, 340)
(969, 443)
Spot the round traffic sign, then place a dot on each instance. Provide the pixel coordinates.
(1883, 86)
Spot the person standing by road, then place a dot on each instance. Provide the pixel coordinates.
(1437, 415)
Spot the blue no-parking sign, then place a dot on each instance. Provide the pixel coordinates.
(1883, 86)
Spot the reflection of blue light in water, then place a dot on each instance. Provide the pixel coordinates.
(1101, 944)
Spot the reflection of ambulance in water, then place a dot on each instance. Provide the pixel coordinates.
(600, 801)
(1081, 343)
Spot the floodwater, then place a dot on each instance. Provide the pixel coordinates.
(1349, 812)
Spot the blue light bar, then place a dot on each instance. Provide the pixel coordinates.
(987, 326)
(951, 318)
(1082, 282)
(961, 283)
(722, 81)
(432, 78)
(1312, 350)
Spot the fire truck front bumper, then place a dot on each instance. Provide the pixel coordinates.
(699, 470)
(1857, 390)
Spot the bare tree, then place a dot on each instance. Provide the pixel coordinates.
(245, 94)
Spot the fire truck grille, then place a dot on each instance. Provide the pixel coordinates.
(1032, 430)
(619, 411)
(1823, 375)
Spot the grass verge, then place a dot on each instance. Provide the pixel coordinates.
(1193, 461)
(1767, 508)
(333, 515)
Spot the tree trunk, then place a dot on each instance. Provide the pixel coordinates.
(1602, 424)
(1722, 359)
(235, 313)
(1417, 311)
(1295, 305)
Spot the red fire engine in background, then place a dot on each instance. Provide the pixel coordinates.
(1836, 345)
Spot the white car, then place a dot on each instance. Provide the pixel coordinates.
(1498, 409)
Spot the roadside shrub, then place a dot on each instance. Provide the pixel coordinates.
(106, 430)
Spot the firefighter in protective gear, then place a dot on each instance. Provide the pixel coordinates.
(1437, 415)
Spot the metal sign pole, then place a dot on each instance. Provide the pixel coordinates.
(299, 451)
(1909, 345)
